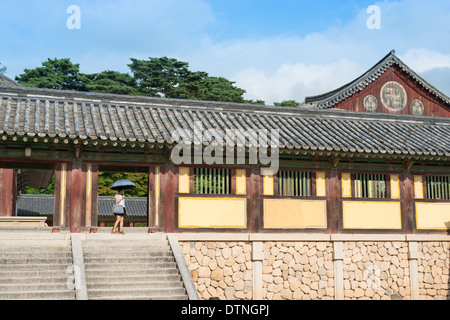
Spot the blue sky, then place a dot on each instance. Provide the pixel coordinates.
(275, 50)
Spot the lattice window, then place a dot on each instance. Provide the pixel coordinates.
(294, 183)
(438, 187)
(212, 181)
(370, 186)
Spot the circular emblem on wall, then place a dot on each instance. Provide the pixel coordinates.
(370, 103)
(393, 96)
(417, 107)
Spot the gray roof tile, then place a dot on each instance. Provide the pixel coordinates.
(89, 116)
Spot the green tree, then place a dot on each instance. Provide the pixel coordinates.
(59, 74)
(106, 179)
(219, 89)
(111, 82)
(2, 69)
(170, 78)
(160, 76)
(288, 103)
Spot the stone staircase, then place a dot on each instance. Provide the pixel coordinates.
(131, 267)
(134, 266)
(35, 266)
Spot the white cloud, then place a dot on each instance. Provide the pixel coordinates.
(423, 60)
(295, 81)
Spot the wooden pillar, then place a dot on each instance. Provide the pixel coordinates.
(60, 211)
(94, 206)
(407, 201)
(334, 203)
(168, 195)
(76, 197)
(254, 197)
(8, 192)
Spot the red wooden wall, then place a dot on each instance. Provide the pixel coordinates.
(433, 106)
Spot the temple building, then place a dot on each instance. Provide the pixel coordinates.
(371, 155)
(345, 197)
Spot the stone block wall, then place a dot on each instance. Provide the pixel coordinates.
(376, 270)
(297, 270)
(433, 270)
(220, 269)
(277, 269)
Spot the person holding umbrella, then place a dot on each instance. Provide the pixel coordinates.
(120, 200)
(119, 207)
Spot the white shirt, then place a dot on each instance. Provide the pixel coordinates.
(122, 202)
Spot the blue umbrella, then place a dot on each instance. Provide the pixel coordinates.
(123, 184)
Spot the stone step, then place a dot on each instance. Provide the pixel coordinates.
(35, 260)
(31, 273)
(30, 287)
(35, 254)
(127, 260)
(134, 278)
(166, 297)
(91, 273)
(17, 278)
(126, 266)
(114, 285)
(145, 292)
(39, 295)
(35, 267)
(127, 253)
(33, 236)
(35, 248)
(133, 244)
(34, 243)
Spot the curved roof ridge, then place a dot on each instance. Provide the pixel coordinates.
(331, 98)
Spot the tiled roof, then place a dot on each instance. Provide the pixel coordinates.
(42, 205)
(330, 99)
(39, 113)
(5, 81)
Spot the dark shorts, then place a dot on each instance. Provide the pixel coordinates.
(122, 214)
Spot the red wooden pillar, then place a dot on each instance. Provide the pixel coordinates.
(334, 203)
(407, 201)
(168, 196)
(76, 197)
(254, 198)
(8, 190)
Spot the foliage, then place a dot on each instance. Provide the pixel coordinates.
(170, 78)
(49, 190)
(111, 82)
(106, 179)
(288, 103)
(55, 73)
(2, 69)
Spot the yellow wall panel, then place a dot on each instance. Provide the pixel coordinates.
(295, 214)
(212, 213)
(418, 187)
(241, 182)
(183, 180)
(321, 186)
(371, 215)
(433, 215)
(268, 187)
(395, 186)
(346, 185)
